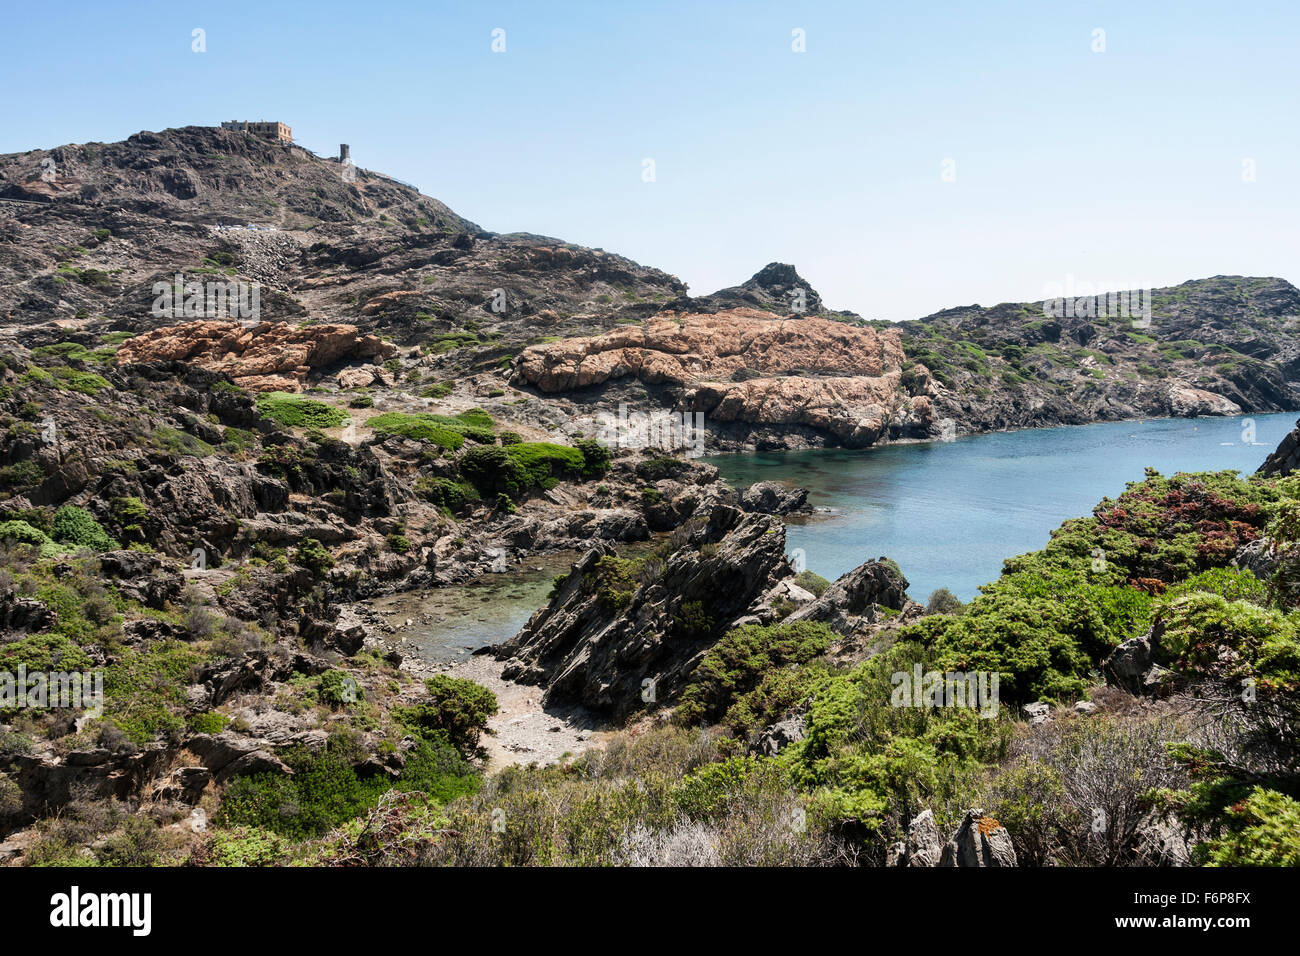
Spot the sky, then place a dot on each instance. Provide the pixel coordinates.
(904, 157)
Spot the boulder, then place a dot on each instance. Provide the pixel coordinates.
(923, 846)
(854, 599)
(1136, 666)
(779, 735)
(1037, 713)
(770, 498)
(228, 755)
(979, 841)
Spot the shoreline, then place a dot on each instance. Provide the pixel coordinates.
(719, 453)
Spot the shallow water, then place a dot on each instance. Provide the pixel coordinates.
(447, 624)
(950, 512)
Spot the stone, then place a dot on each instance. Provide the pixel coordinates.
(980, 841)
(779, 736)
(852, 601)
(923, 846)
(1134, 666)
(771, 498)
(1037, 713)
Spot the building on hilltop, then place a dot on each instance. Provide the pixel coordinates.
(270, 130)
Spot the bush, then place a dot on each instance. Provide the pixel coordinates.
(517, 468)
(456, 496)
(595, 457)
(943, 601)
(24, 533)
(209, 723)
(313, 556)
(75, 526)
(293, 411)
(738, 662)
(812, 582)
(22, 474)
(426, 428)
(1264, 830)
(325, 790)
(458, 709)
(339, 688)
(491, 469)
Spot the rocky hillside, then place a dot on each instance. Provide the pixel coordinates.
(88, 231)
(1216, 346)
(96, 225)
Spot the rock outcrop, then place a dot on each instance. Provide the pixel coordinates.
(1285, 458)
(923, 846)
(744, 365)
(771, 498)
(853, 602)
(980, 841)
(1138, 665)
(271, 356)
(615, 645)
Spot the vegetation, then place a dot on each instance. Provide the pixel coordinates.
(444, 431)
(294, 411)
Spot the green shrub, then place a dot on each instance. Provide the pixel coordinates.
(24, 533)
(812, 582)
(76, 526)
(595, 457)
(249, 846)
(1264, 830)
(457, 708)
(44, 652)
(313, 556)
(943, 601)
(420, 427)
(339, 688)
(87, 383)
(180, 443)
(456, 496)
(21, 474)
(144, 690)
(293, 411)
(325, 790)
(209, 723)
(738, 662)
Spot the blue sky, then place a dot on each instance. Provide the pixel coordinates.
(1122, 167)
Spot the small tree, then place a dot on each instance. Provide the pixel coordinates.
(943, 601)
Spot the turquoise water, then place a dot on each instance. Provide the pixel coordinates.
(949, 513)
